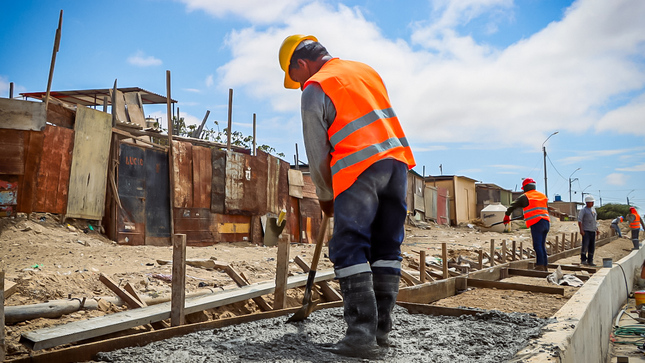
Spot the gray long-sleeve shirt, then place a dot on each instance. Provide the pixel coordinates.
(318, 113)
(587, 219)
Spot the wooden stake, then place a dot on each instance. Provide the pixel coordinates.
(2, 340)
(444, 258)
(51, 67)
(255, 153)
(327, 291)
(241, 281)
(281, 274)
(521, 250)
(422, 266)
(492, 253)
(481, 259)
(230, 119)
(564, 242)
(178, 300)
(557, 244)
(503, 251)
(171, 163)
(514, 256)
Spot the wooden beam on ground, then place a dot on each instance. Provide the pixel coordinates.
(87, 352)
(573, 268)
(281, 273)
(130, 289)
(409, 279)
(414, 308)
(540, 274)
(328, 292)
(208, 264)
(130, 300)
(178, 300)
(240, 281)
(500, 285)
(10, 288)
(102, 325)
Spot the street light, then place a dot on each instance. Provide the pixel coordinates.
(630, 192)
(546, 190)
(571, 181)
(583, 193)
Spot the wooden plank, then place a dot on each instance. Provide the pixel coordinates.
(414, 308)
(296, 183)
(28, 181)
(54, 170)
(132, 302)
(135, 108)
(281, 275)
(409, 279)
(94, 327)
(573, 268)
(328, 292)
(202, 176)
(88, 174)
(183, 174)
(118, 106)
(427, 293)
(22, 115)
(87, 352)
(10, 288)
(540, 274)
(60, 115)
(488, 284)
(178, 300)
(240, 281)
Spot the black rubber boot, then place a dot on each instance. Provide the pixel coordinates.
(361, 318)
(386, 289)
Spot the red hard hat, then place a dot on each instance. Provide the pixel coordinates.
(527, 181)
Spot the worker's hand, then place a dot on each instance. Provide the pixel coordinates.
(327, 207)
(507, 219)
(582, 233)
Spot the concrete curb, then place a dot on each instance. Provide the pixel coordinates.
(583, 325)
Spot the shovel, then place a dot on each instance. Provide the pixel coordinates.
(512, 219)
(307, 305)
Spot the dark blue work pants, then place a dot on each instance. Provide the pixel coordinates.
(538, 233)
(588, 247)
(368, 221)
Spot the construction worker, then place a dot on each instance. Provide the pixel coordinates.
(536, 216)
(635, 223)
(614, 225)
(588, 224)
(358, 158)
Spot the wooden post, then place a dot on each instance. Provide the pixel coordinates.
(230, 119)
(281, 274)
(422, 266)
(255, 153)
(444, 259)
(481, 259)
(521, 250)
(171, 163)
(178, 280)
(513, 256)
(492, 252)
(51, 67)
(573, 243)
(564, 242)
(2, 341)
(556, 245)
(503, 251)
(10, 90)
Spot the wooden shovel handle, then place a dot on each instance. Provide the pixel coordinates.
(319, 242)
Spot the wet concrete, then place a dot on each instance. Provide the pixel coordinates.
(490, 337)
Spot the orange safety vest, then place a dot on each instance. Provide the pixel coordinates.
(365, 129)
(636, 223)
(537, 208)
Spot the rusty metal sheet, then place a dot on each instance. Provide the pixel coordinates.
(28, 181)
(273, 180)
(53, 171)
(157, 199)
(293, 219)
(309, 189)
(22, 115)
(8, 194)
(218, 181)
(202, 176)
(283, 185)
(230, 228)
(12, 157)
(88, 174)
(443, 206)
(311, 217)
(245, 182)
(195, 223)
(182, 170)
(131, 185)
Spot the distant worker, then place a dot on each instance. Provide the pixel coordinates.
(358, 158)
(588, 224)
(536, 216)
(635, 223)
(615, 225)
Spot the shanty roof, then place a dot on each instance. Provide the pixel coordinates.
(94, 97)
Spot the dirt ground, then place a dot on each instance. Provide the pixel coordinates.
(50, 261)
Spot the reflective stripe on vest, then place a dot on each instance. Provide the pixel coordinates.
(636, 223)
(365, 129)
(537, 208)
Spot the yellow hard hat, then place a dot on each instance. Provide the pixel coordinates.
(286, 51)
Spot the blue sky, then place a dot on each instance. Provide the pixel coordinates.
(478, 85)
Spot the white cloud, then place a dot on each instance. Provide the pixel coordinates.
(209, 80)
(616, 179)
(260, 11)
(626, 119)
(141, 60)
(448, 88)
(639, 167)
(193, 90)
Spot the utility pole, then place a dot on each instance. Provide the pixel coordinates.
(546, 190)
